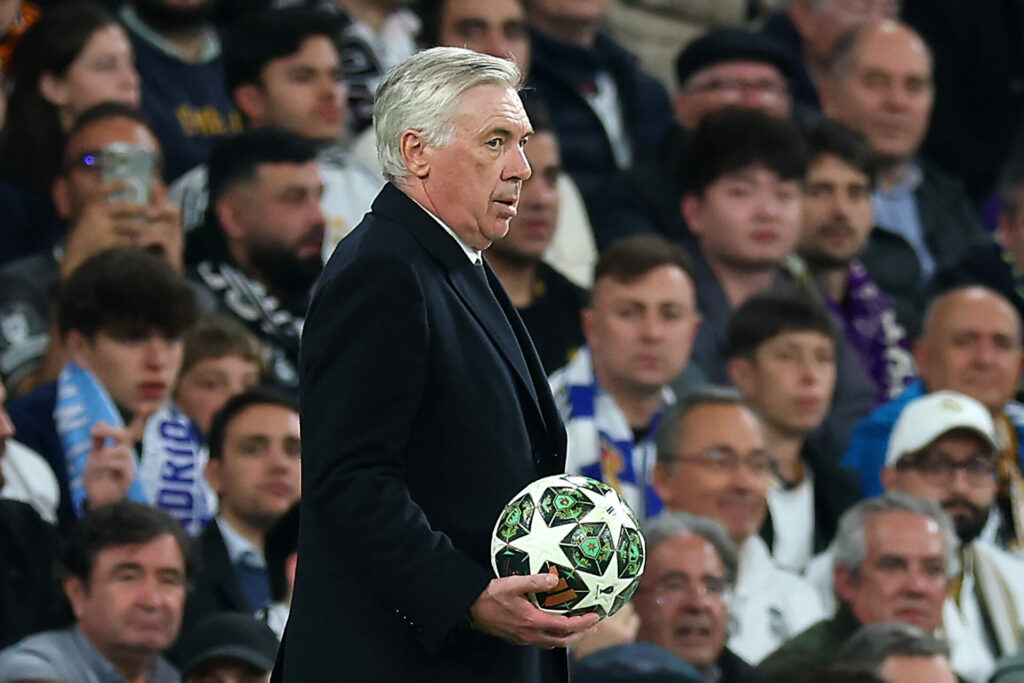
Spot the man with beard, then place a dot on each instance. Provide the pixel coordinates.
(259, 252)
(944, 448)
(178, 56)
(838, 218)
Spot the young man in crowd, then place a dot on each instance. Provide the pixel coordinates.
(639, 326)
(713, 462)
(125, 569)
(782, 358)
(838, 220)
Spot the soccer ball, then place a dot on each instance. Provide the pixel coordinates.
(582, 531)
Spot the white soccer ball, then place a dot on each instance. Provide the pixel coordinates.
(582, 531)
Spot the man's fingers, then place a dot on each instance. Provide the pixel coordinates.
(534, 583)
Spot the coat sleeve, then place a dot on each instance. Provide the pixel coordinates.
(364, 370)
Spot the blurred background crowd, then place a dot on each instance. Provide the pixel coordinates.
(771, 254)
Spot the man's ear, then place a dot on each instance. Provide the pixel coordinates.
(690, 207)
(743, 375)
(845, 583)
(60, 192)
(213, 472)
(890, 479)
(251, 102)
(77, 345)
(416, 153)
(76, 592)
(227, 210)
(659, 481)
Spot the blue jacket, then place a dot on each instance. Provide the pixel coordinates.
(870, 439)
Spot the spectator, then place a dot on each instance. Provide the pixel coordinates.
(724, 68)
(75, 58)
(549, 303)
(634, 663)
(125, 571)
(220, 359)
(935, 436)
(838, 218)
(691, 567)
(259, 252)
(283, 69)
(282, 554)
(639, 326)
(811, 28)
(498, 28)
(971, 344)
(605, 109)
(28, 544)
(782, 358)
(121, 316)
(254, 470)
(899, 653)
(32, 354)
(880, 84)
(894, 556)
(15, 18)
(712, 461)
(227, 648)
(741, 199)
(178, 54)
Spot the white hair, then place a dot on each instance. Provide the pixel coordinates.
(421, 93)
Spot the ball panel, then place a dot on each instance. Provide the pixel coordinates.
(511, 561)
(563, 505)
(568, 592)
(516, 520)
(589, 547)
(630, 553)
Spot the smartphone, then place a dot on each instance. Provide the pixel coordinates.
(131, 165)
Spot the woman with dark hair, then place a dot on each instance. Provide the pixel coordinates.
(74, 57)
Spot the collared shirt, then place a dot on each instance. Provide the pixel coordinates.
(68, 656)
(896, 211)
(475, 256)
(239, 548)
(210, 48)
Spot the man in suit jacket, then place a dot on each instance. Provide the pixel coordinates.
(424, 405)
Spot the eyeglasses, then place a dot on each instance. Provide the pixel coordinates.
(91, 161)
(735, 87)
(722, 459)
(673, 587)
(939, 468)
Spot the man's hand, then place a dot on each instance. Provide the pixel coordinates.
(503, 610)
(102, 226)
(163, 234)
(110, 469)
(619, 629)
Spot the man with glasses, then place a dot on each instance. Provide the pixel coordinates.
(682, 598)
(712, 461)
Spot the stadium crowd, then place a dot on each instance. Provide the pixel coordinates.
(771, 256)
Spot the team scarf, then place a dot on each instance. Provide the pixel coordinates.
(870, 324)
(601, 443)
(169, 474)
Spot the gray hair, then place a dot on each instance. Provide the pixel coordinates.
(670, 524)
(850, 545)
(667, 435)
(422, 92)
(872, 645)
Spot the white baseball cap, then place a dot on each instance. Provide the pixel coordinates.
(925, 419)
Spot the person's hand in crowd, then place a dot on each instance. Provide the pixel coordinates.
(503, 610)
(110, 468)
(163, 234)
(619, 629)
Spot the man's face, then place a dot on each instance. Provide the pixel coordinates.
(903, 574)
(681, 599)
(275, 226)
(640, 332)
(81, 184)
(820, 29)
(735, 497)
(748, 219)
(227, 670)
(837, 213)
(885, 92)
(530, 232)
(971, 344)
(257, 478)
(137, 368)
(207, 386)
(493, 27)
(899, 669)
(473, 182)
(751, 85)
(789, 380)
(302, 93)
(966, 492)
(573, 11)
(133, 601)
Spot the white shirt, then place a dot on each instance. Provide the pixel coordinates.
(792, 513)
(28, 478)
(474, 255)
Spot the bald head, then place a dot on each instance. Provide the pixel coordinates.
(972, 344)
(879, 82)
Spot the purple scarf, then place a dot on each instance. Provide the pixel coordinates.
(871, 327)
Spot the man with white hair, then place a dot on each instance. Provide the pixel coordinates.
(424, 406)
